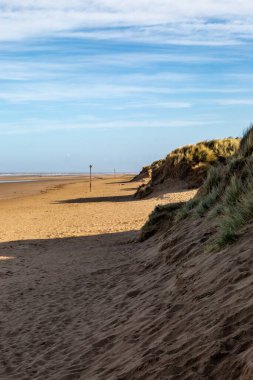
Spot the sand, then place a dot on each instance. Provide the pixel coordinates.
(78, 300)
(81, 298)
(64, 207)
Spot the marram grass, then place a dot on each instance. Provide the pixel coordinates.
(226, 195)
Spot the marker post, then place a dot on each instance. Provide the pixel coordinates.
(90, 177)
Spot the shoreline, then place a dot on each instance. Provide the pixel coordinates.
(23, 186)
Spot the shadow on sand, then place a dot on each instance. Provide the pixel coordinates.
(117, 198)
(63, 288)
(119, 182)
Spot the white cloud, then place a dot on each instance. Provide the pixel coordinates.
(47, 83)
(28, 127)
(156, 21)
(46, 92)
(153, 104)
(28, 69)
(236, 102)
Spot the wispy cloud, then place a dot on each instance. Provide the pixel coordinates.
(153, 105)
(28, 127)
(46, 92)
(206, 22)
(236, 102)
(127, 91)
(28, 69)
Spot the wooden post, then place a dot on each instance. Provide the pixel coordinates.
(90, 177)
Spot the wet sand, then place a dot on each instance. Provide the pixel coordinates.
(30, 185)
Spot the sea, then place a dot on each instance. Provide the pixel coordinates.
(39, 174)
(12, 176)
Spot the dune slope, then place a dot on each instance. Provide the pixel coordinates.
(187, 165)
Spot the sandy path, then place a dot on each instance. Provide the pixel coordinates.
(65, 294)
(55, 298)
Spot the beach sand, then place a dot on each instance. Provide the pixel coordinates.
(69, 270)
(65, 207)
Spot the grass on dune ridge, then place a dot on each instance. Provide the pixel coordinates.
(204, 152)
(189, 163)
(225, 197)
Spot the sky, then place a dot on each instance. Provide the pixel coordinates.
(119, 84)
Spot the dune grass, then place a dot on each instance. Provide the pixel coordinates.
(205, 151)
(246, 145)
(226, 197)
(189, 163)
(160, 214)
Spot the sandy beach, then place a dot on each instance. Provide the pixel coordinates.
(145, 272)
(64, 207)
(69, 265)
(82, 298)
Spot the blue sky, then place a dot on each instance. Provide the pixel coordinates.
(120, 83)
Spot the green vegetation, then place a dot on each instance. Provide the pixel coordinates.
(144, 190)
(157, 217)
(183, 212)
(146, 171)
(227, 194)
(226, 197)
(189, 163)
(205, 152)
(246, 145)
